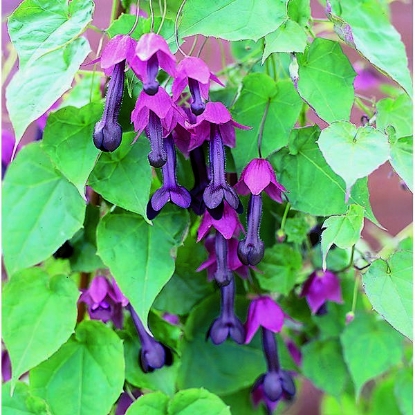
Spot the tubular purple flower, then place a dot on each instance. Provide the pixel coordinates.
(119, 48)
(197, 161)
(218, 189)
(152, 52)
(107, 132)
(251, 248)
(194, 72)
(227, 324)
(321, 286)
(153, 354)
(223, 274)
(170, 191)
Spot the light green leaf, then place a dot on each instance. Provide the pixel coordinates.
(289, 37)
(296, 229)
(382, 347)
(374, 37)
(85, 376)
(260, 93)
(402, 159)
(313, 186)
(45, 35)
(326, 80)
(139, 255)
(346, 405)
(149, 404)
(38, 316)
(403, 390)
(323, 364)
(197, 401)
(41, 209)
(299, 11)
(382, 400)
(21, 402)
(389, 287)
(351, 152)
(232, 19)
(344, 231)
(279, 269)
(396, 112)
(123, 177)
(67, 140)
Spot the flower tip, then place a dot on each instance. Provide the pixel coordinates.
(106, 137)
(197, 107)
(157, 159)
(151, 88)
(250, 254)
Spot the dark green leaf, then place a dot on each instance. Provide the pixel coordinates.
(382, 347)
(279, 269)
(323, 364)
(296, 229)
(67, 140)
(123, 177)
(85, 376)
(351, 152)
(41, 210)
(141, 256)
(326, 80)
(389, 287)
(261, 92)
(232, 19)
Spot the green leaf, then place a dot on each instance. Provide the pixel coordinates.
(240, 402)
(296, 229)
(86, 90)
(67, 140)
(192, 286)
(396, 112)
(344, 231)
(85, 376)
(389, 287)
(299, 11)
(374, 37)
(197, 401)
(351, 152)
(260, 93)
(402, 159)
(149, 404)
(289, 37)
(84, 257)
(39, 315)
(326, 80)
(123, 177)
(232, 19)
(323, 364)
(382, 347)
(382, 400)
(45, 36)
(41, 210)
(21, 402)
(139, 255)
(403, 390)
(346, 405)
(279, 269)
(313, 186)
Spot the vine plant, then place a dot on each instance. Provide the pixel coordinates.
(179, 240)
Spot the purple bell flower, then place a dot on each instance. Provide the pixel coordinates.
(257, 177)
(263, 312)
(194, 72)
(107, 132)
(153, 354)
(105, 301)
(275, 384)
(251, 248)
(125, 400)
(6, 366)
(152, 52)
(170, 191)
(227, 324)
(119, 48)
(158, 116)
(320, 287)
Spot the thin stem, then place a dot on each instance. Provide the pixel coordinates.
(350, 264)
(284, 217)
(355, 290)
(163, 16)
(261, 128)
(137, 13)
(114, 10)
(193, 45)
(83, 285)
(201, 48)
(176, 27)
(152, 15)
